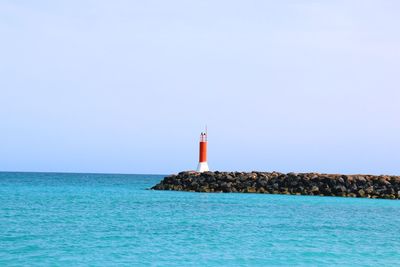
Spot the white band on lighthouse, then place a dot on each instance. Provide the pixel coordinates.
(202, 167)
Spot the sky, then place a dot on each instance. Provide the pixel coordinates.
(127, 86)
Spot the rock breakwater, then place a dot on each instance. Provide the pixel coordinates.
(369, 186)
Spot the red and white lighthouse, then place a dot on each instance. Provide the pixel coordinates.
(203, 165)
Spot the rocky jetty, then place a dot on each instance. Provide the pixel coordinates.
(369, 186)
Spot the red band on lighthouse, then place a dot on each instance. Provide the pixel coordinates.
(203, 148)
(203, 152)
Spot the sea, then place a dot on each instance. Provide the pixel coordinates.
(68, 219)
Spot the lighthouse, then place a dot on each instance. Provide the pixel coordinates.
(203, 166)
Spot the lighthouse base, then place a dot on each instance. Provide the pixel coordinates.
(202, 167)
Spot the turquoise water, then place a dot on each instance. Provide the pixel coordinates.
(99, 219)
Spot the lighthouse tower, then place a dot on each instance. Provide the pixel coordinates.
(203, 166)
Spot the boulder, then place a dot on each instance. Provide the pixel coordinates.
(361, 193)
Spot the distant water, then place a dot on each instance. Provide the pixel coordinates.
(49, 219)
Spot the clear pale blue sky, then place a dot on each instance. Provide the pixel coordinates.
(127, 86)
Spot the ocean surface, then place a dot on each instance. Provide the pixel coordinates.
(59, 219)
